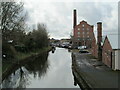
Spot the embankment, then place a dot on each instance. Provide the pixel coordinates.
(79, 79)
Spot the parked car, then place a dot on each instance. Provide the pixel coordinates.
(69, 47)
(63, 45)
(66, 46)
(82, 47)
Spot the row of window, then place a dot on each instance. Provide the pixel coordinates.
(82, 33)
(84, 36)
(84, 39)
(83, 29)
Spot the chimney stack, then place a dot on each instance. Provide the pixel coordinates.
(99, 30)
(99, 39)
(74, 18)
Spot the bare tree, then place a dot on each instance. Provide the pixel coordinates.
(12, 18)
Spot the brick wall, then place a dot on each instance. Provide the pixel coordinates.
(94, 48)
(106, 52)
(83, 34)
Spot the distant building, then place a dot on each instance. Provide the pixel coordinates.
(65, 40)
(52, 40)
(111, 52)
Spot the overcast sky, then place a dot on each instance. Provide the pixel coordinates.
(58, 16)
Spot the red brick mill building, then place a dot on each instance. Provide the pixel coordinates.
(83, 35)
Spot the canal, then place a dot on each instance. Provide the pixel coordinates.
(49, 70)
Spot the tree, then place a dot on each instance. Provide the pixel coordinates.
(38, 38)
(12, 22)
(12, 18)
(43, 34)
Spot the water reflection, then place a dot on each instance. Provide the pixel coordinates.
(44, 71)
(16, 80)
(75, 80)
(39, 66)
(21, 77)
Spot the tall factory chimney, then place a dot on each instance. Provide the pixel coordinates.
(74, 18)
(99, 40)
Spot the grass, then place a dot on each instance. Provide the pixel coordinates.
(5, 66)
(20, 56)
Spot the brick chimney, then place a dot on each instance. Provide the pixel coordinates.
(99, 40)
(74, 18)
(92, 27)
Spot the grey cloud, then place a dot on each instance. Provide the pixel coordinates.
(58, 16)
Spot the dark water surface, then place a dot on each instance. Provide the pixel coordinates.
(50, 70)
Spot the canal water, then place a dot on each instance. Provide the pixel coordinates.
(50, 70)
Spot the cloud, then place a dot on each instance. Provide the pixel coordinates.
(58, 16)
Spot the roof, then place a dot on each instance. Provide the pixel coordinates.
(113, 39)
(103, 39)
(85, 23)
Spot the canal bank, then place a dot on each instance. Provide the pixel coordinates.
(92, 74)
(78, 77)
(21, 61)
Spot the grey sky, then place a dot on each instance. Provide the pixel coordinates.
(58, 16)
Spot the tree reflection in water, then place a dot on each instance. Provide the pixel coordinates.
(39, 66)
(20, 78)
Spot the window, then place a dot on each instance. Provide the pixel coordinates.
(83, 25)
(83, 32)
(88, 29)
(78, 29)
(83, 29)
(87, 32)
(78, 33)
(88, 36)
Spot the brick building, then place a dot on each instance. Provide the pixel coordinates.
(111, 52)
(83, 34)
(106, 50)
(94, 47)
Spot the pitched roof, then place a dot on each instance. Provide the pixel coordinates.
(103, 39)
(113, 39)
